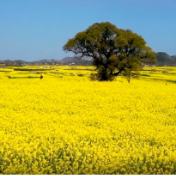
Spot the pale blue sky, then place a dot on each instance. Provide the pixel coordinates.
(38, 29)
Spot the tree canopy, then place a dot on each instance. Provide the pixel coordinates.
(113, 50)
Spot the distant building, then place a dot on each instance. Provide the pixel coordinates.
(2, 66)
(72, 63)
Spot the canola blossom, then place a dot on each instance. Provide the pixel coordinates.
(71, 125)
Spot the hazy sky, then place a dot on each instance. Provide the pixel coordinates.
(38, 29)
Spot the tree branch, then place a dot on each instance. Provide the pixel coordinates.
(116, 74)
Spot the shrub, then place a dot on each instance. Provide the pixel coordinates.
(93, 77)
(104, 74)
(80, 74)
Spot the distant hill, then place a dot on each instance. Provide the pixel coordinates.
(75, 60)
(174, 56)
(164, 59)
(69, 59)
(161, 57)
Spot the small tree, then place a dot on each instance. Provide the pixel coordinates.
(114, 51)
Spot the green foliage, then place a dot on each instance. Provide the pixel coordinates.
(104, 74)
(113, 50)
(165, 71)
(93, 77)
(80, 74)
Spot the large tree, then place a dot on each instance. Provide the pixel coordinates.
(113, 50)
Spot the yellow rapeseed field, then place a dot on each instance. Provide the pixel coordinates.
(67, 124)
